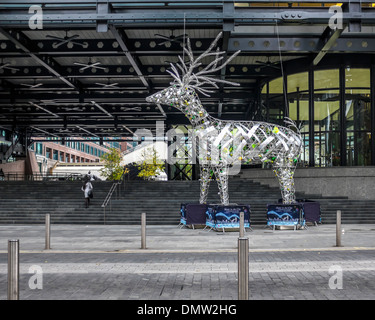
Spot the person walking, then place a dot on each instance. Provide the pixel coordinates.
(87, 189)
(90, 176)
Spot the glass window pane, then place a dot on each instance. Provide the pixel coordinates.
(299, 101)
(305, 155)
(276, 101)
(358, 149)
(326, 99)
(39, 148)
(357, 99)
(327, 114)
(299, 111)
(327, 149)
(357, 78)
(276, 86)
(326, 79)
(298, 82)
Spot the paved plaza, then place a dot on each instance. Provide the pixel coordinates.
(89, 262)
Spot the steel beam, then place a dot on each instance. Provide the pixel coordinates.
(52, 66)
(140, 3)
(44, 109)
(108, 47)
(44, 132)
(87, 131)
(250, 43)
(102, 109)
(102, 8)
(328, 39)
(125, 72)
(330, 36)
(121, 39)
(117, 97)
(354, 7)
(291, 45)
(172, 15)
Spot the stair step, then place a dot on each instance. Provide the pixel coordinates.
(27, 202)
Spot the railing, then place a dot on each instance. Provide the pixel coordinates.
(139, 146)
(15, 176)
(115, 186)
(110, 193)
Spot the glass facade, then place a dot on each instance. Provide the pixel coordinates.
(326, 120)
(358, 116)
(332, 108)
(53, 151)
(298, 101)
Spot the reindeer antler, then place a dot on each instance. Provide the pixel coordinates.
(197, 80)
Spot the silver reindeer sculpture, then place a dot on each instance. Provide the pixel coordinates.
(223, 144)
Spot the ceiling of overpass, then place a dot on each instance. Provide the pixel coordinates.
(88, 70)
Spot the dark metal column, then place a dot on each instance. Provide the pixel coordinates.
(311, 117)
(372, 86)
(268, 101)
(13, 269)
(342, 116)
(285, 96)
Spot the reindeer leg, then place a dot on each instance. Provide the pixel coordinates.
(284, 171)
(205, 183)
(221, 174)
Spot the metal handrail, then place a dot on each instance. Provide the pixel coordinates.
(109, 194)
(112, 189)
(16, 176)
(139, 146)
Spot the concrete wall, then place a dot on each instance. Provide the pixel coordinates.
(31, 166)
(352, 182)
(18, 169)
(79, 168)
(14, 168)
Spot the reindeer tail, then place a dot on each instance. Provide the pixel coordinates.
(291, 124)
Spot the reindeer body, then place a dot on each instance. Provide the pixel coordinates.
(223, 144)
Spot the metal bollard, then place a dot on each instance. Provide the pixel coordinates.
(338, 228)
(242, 225)
(48, 232)
(143, 230)
(243, 268)
(13, 269)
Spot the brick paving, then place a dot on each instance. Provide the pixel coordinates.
(106, 263)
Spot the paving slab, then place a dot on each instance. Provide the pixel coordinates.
(106, 262)
(173, 238)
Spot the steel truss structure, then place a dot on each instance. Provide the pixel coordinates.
(87, 68)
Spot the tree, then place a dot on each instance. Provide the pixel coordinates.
(112, 168)
(150, 164)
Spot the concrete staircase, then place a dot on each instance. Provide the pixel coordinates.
(27, 202)
(161, 200)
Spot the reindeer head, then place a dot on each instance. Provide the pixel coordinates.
(182, 92)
